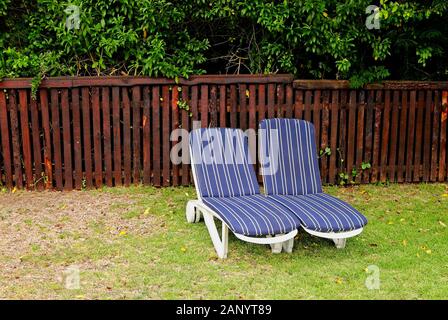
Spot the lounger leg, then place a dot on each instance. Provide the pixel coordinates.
(221, 245)
(276, 247)
(225, 240)
(340, 243)
(288, 245)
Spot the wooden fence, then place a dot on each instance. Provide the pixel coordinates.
(89, 132)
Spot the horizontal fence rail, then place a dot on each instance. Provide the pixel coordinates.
(88, 132)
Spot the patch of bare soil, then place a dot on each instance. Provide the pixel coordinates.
(37, 223)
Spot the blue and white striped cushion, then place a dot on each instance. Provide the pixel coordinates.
(228, 185)
(220, 173)
(297, 166)
(296, 184)
(322, 212)
(254, 215)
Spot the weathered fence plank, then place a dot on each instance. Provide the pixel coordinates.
(376, 137)
(57, 138)
(6, 148)
(385, 137)
(87, 142)
(410, 135)
(136, 124)
(116, 107)
(26, 139)
(360, 135)
(443, 133)
(394, 135)
(166, 129)
(324, 137)
(419, 120)
(435, 137)
(127, 156)
(186, 126)
(146, 127)
(175, 125)
(107, 143)
(77, 151)
(66, 138)
(402, 136)
(97, 152)
(47, 138)
(351, 142)
(156, 135)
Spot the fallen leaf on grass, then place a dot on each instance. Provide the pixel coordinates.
(405, 243)
(339, 280)
(122, 233)
(442, 224)
(426, 249)
(183, 249)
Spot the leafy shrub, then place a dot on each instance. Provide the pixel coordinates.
(309, 38)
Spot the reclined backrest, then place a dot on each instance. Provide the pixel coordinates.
(221, 163)
(297, 169)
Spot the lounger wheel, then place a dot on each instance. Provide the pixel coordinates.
(192, 212)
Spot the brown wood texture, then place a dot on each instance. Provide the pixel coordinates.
(85, 132)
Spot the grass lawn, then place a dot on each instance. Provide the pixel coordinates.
(134, 243)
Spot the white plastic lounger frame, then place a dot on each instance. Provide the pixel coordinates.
(339, 238)
(196, 208)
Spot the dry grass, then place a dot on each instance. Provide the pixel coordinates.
(134, 243)
(35, 225)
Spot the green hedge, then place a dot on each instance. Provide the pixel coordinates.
(309, 38)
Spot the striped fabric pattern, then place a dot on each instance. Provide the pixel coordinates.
(296, 185)
(254, 215)
(322, 212)
(297, 167)
(222, 163)
(228, 185)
